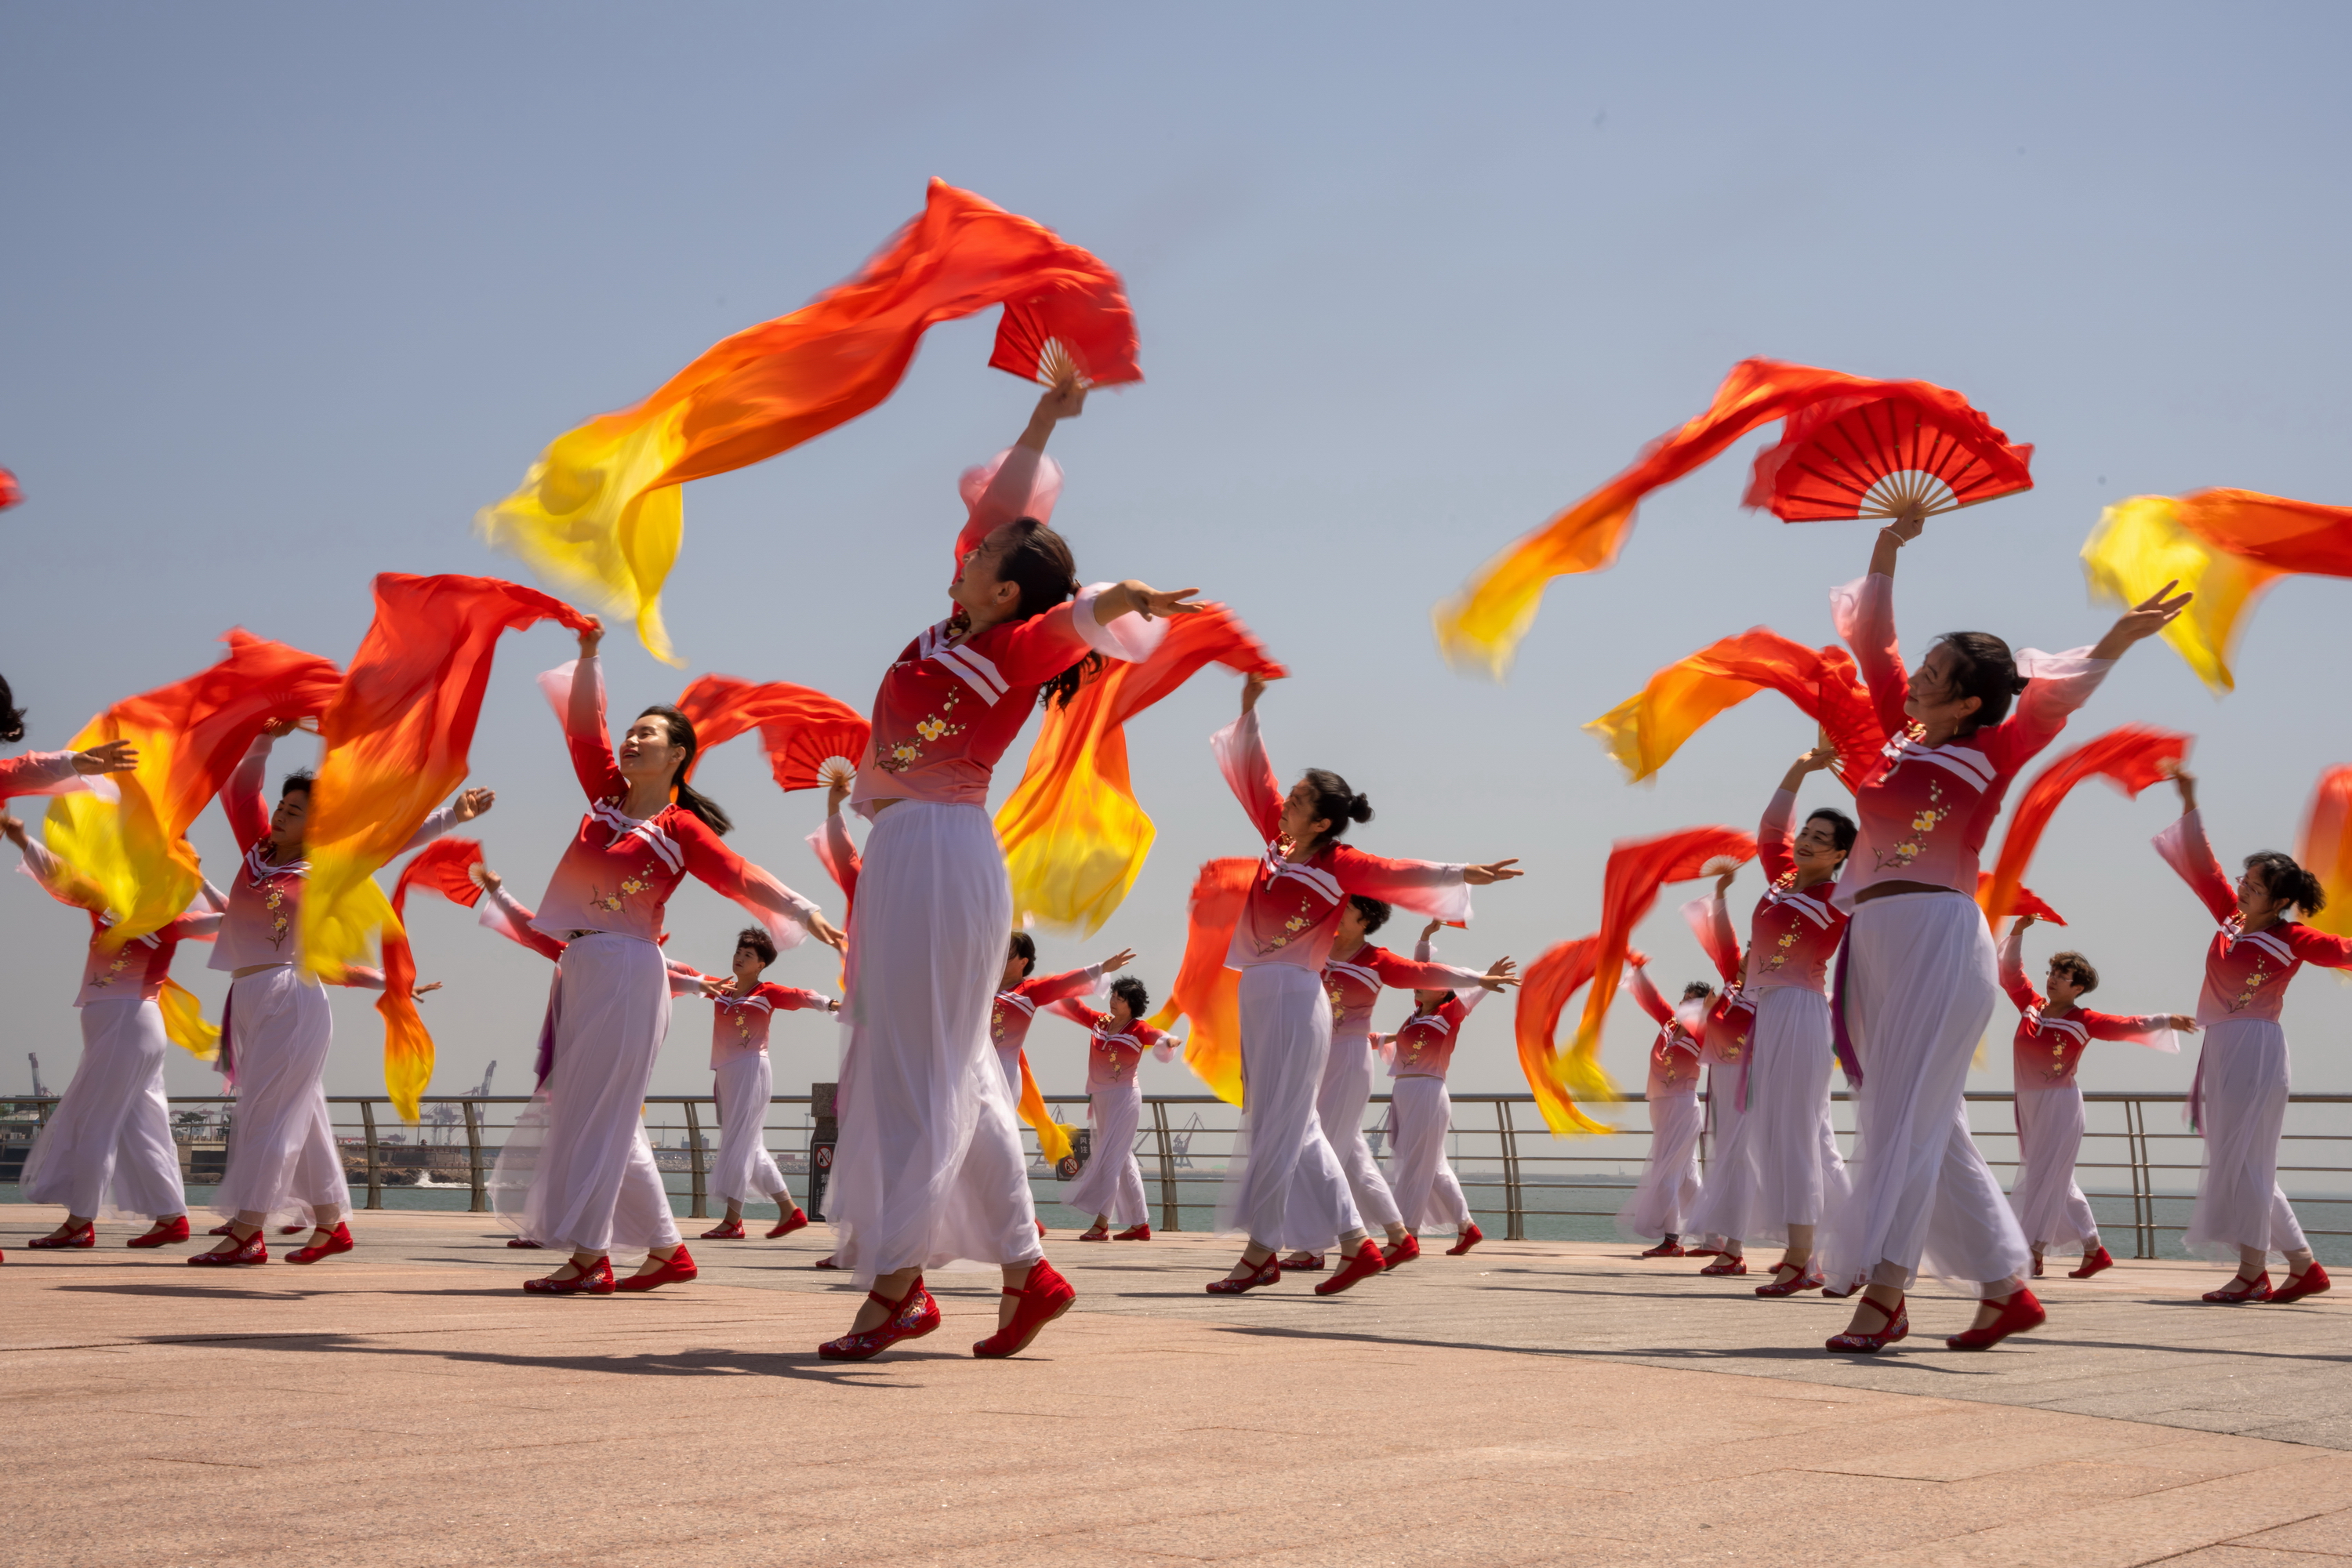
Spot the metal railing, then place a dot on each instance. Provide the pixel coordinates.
(2138, 1164)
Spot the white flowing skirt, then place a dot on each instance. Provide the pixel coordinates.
(1920, 990)
(1284, 1187)
(1340, 1107)
(1428, 1194)
(2051, 1209)
(577, 1171)
(746, 1172)
(1112, 1183)
(1781, 1165)
(1723, 1120)
(2242, 1076)
(930, 1171)
(282, 1145)
(108, 1149)
(1669, 1189)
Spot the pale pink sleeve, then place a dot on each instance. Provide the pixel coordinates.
(1241, 756)
(511, 917)
(2190, 853)
(1432, 888)
(1129, 638)
(1018, 482)
(2057, 684)
(55, 880)
(1710, 922)
(1645, 993)
(242, 801)
(2152, 1030)
(1424, 973)
(1468, 1000)
(38, 772)
(837, 853)
(438, 822)
(1864, 613)
(2012, 968)
(360, 977)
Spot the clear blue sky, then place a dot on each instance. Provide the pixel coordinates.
(290, 291)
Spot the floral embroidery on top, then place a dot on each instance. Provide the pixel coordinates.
(898, 756)
(278, 924)
(2255, 982)
(121, 962)
(611, 902)
(1923, 823)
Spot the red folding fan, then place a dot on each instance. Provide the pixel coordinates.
(802, 730)
(1918, 447)
(1083, 326)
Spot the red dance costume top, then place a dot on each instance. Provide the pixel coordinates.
(265, 900)
(738, 1024)
(1354, 983)
(1794, 933)
(2049, 1046)
(1013, 1010)
(2245, 972)
(1113, 1051)
(1674, 1054)
(1424, 1046)
(509, 916)
(37, 772)
(948, 706)
(139, 967)
(618, 872)
(1293, 912)
(1925, 810)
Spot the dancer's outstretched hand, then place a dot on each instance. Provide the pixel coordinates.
(2145, 619)
(1494, 871)
(113, 757)
(1254, 687)
(12, 828)
(825, 932)
(1503, 972)
(592, 638)
(474, 802)
(1119, 960)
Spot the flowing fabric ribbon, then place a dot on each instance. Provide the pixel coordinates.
(2131, 758)
(2325, 849)
(1075, 836)
(801, 728)
(443, 866)
(1053, 1137)
(1205, 991)
(183, 1022)
(599, 516)
(1637, 869)
(1557, 1078)
(1649, 727)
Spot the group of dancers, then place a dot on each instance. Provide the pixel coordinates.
(939, 992)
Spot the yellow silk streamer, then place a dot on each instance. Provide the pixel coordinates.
(183, 1022)
(591, 520)
(2141, 544)
(1075, 840)
(144, 874)
(1053, 1137)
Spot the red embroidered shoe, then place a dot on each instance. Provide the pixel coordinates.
(676, 1269)
(174, 1230)
(1268, 1272)
(725, 1230)
(1897, 1326)
(526, 1244)
(830, 1260)
(1670, 1247)
(594, 1280)
(796, 1220)
(224, 1229)
(1304, 1262)
(1404, 1251)
(2242, 1289)
(1471, 1236)
(1367, 1262)
(86, 1236)
(2098, 1259)
(912, 1316)
(338, 1240)
(1134, 1233)
(2310, 1282)
(1095, 1233)
(2019, 1313)
(1044, 1296)
(254, 1248)
(1724, 1263)
(1798, 1280)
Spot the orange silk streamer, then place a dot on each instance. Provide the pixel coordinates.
(801, 728)
(1205, 991)
(442, 867)
(1558, 1078)
(2131, 758)
(1075, 836)
(599, 514)
(1646, 729)
(2325, 849)
(183, 1022)
(2024, 900)
(1481, 625)
(397, 735)
(191, 736)
(1637, 869)
(1053, 1137)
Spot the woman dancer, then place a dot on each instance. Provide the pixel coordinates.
(1020, 992)
(108, 1145)
(1920, 984)
(1779, 1172)
(1668, 1193)
(276, 1027)
(743, 1006)
(1111, 1187)
(1427, 1191)
(2240, 1098)
(41, 772)
(2052, 1033)
(1353, 978)
(1280, 944)
(595, 1185)
(929, 1167)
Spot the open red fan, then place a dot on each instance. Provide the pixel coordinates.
(1917, 448)
(801, 728)
(1082, 325)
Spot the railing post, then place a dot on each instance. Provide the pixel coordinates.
(1171, 1213)
(2143, 1180)
(1515, 1225)
(701, 1209)
(374, 1155)
(480, 1203)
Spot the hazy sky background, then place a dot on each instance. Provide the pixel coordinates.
(291, 291)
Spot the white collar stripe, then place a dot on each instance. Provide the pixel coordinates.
(1966, 764)
(1356, 971)
(2271, 944)
(1322, 882)
(1017, 1000)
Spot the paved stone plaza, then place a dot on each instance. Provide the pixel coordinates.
(1534, 1402)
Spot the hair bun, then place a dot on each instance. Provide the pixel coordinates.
(2017, 685)
(1359, 809)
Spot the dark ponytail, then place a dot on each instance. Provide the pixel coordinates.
(681, 734)
(12, 722)
(1984, 668)
(1336, 804)
(2284, 880)
(1037, 560)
